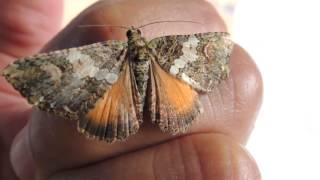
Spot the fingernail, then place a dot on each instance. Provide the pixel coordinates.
(21, 156)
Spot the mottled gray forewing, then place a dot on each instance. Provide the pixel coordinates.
(68, 82)
(201, 60)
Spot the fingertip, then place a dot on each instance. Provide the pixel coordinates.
(247, 82)
(232, 107)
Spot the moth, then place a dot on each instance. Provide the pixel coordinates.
(110, 87)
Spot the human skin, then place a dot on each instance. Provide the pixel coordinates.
(47, 147)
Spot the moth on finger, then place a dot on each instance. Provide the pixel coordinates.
(109, 87)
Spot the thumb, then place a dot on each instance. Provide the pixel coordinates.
(23, 163)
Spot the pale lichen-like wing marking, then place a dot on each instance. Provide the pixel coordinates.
(68, 82)
(114, 116)
(201, 60)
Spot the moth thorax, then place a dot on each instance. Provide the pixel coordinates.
(136, 43)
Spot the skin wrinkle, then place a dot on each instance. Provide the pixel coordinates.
(233, 97)
(201, 163)
(161, 152)
(230, 164)
(182, 160)
(229, 85)
(177, 161)
(154, 164)
(22, 31)
(216, 95)
(222, 167)
(108, 159)
(155, 149)
(207, 103)
(159, 149)
(225, 111)
(218, 98)
(17, 24)
(214, 112)
(195, 155)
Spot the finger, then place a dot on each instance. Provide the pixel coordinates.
(228, 112)
(199, 156)
(25, 26)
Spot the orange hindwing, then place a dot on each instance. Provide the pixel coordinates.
(114, 116)
(172, 104)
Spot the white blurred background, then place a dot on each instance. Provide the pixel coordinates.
(283, 37)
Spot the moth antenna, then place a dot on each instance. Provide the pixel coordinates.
(102, 26)
(159, 22)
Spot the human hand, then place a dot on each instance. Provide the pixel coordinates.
(51, 148)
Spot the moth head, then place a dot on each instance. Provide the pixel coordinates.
(133, 33)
